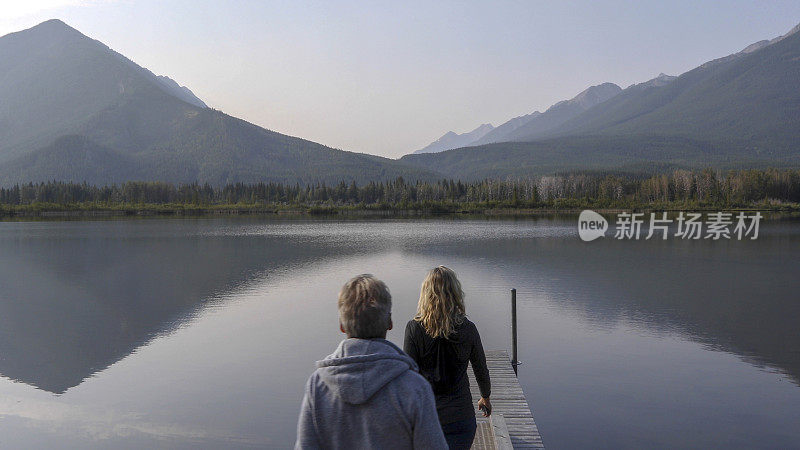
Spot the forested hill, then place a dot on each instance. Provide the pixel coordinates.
(75, 110)
(645, 154)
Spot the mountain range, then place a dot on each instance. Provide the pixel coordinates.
(739, 111)
(528, 124)
(74, 110)
(554, 115)
(451, 140)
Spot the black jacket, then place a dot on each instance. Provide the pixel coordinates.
(443, 362)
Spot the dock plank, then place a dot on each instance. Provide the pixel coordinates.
(508, 401)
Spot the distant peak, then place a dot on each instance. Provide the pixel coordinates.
(593, 95)
(483, 126)
(51, 28)
(664, 77)
(755, 46)
(599, 87)
(764, 43)
(452, 140)
(54, 23)
(661, 80)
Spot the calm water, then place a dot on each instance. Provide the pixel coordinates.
(201, 333)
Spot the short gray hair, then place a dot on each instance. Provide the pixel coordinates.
(365, 307)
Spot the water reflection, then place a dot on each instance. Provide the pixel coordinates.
(79, 296)
(729, 295)
(201, 332)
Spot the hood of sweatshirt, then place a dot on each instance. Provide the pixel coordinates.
(361, 367)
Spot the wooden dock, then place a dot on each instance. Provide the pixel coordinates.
(511, 424)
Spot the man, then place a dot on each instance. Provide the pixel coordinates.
(368, 393)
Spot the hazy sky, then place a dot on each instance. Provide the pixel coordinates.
(387, 78)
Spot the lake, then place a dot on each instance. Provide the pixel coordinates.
(201, 332)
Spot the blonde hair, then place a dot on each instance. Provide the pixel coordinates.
(365, 307)
(441, 303)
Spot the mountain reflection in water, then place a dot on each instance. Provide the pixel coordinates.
(115, 317)
(76, 301)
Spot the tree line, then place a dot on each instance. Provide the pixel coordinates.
(698, 187)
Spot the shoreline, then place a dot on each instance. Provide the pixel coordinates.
(156, 210)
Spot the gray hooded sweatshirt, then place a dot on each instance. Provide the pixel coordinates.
(368, 395)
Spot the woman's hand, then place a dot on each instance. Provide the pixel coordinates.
(486, 406)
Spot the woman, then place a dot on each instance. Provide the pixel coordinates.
(442, 341)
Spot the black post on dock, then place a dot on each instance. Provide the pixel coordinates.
(514, 360)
